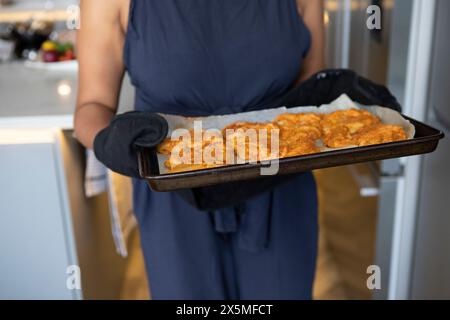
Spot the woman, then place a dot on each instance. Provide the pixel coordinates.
(203, 57)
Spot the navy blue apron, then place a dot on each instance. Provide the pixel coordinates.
(205, 57)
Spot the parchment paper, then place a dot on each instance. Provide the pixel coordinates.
(387, 116)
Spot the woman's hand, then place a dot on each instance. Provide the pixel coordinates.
(99, 50)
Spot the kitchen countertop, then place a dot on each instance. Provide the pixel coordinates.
(24, 10)
(28, 5)
(36, 98)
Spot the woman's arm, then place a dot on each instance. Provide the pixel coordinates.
(99, 50)
(312, 13)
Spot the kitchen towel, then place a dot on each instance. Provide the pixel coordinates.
(121, 210)
(99, 179)
(95, 181)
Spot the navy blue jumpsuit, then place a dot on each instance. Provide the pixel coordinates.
(205, 57)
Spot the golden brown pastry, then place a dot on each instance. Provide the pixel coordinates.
(169, 144)
(308, 123)
(246, 139)
(298, 119)
(298, 134)
(299, 148)
(341, 127)
(202, 152)
(354, 120)
(381, 133)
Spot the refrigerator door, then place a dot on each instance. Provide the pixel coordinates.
(392, 170)
(416, 103)
(431, 262)
(399, 56)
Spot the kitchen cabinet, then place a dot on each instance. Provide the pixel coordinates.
(46, 222)
(36, 237)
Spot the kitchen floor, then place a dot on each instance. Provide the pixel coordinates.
(347, 236)
(346, 242)
(135, 286)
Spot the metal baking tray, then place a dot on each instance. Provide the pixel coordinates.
(426, 140)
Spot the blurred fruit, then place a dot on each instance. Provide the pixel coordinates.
(67, 46)
(49, 46)
(69, 55)
(53, 51)
(60, 48)
(50, 56)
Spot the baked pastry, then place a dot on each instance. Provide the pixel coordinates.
(291, 123)
(248, 141)
(340, 128)
(381, 133)
(297, 135)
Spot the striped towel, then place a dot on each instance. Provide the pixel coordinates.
(96, 177)
(99, 179)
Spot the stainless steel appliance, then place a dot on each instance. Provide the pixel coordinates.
(410, 55)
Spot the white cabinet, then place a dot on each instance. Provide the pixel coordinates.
(47, 224)
(36, 238)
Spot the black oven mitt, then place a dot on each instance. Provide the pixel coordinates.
(326, 86)
(116, 145)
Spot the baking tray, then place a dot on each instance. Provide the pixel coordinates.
(426, 140)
